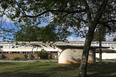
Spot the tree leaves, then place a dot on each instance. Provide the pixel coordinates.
(31, 33)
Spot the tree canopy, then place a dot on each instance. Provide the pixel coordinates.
(43, 54)
(81, 16)
(63, 13)
(30, 33)
(114, 39)
(44, 34)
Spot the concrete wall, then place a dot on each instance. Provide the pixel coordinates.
(69, 56)
(107, 55)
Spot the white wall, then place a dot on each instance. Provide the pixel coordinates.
(107, 55)
(73, 55)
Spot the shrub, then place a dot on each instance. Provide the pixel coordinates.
(43, 54)
(25, 56)
(17, 58)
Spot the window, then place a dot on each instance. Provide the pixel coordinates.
(23, 52)
(53, 52)
(1, 46)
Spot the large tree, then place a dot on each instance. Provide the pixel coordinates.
(82, 16)
(31, 33)
(45, 34)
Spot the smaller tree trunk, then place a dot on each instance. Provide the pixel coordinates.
(100, 50)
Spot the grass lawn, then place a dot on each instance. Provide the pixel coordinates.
(36, 69)
(97, 59)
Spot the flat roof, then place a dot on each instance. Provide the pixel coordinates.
(77, 46)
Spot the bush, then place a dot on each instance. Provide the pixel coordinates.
(43, 54)
(17, 58)
(25, 56)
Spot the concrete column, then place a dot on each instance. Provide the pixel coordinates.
(48, 56)
(91, 56)
(29, 56)
(1, 56)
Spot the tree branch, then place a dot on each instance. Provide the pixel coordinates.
(104, 24)
(111, 21)
(2, 13)
(81, 19)
(100, 11)
(87, 10)
(64, 16)
(55, 11)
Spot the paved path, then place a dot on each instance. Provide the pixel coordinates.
(108, 61)
(47, 61)
(30, 61)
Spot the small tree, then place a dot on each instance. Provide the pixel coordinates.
(25, 56)
(114, 39)
(43, 54)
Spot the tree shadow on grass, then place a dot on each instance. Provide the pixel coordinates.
(6, 64)
(23, 74)
(48, 72)
(25, 70)
(64, 70)
(102, 70)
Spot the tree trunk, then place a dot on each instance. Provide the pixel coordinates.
(100, 52)
(83, 65)
(100, 40)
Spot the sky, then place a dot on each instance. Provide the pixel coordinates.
(69, 38)
(74, 38)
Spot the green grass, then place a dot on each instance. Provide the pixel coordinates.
(106, 59)
(109, 59)
(37, 69)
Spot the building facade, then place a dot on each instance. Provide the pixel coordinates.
(11, 50)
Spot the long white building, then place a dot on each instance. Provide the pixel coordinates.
(34, 47)
(12, 47)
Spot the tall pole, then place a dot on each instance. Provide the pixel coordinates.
(100, 41)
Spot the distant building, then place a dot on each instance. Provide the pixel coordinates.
(11, 50)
